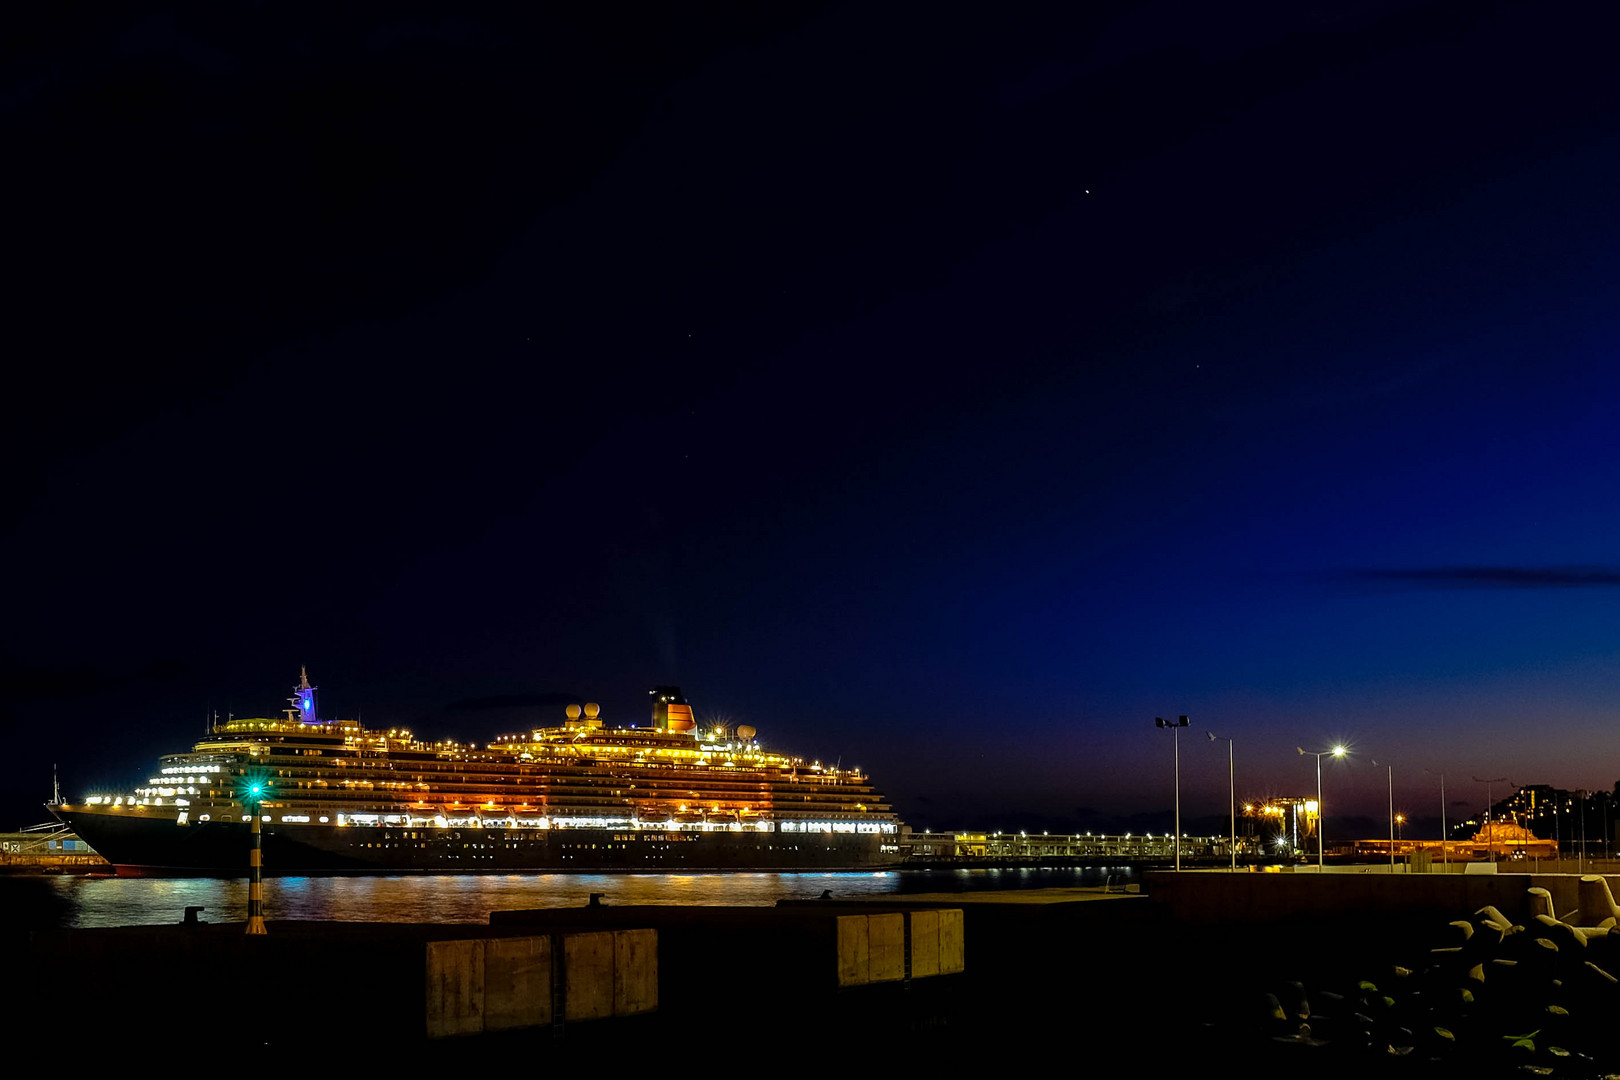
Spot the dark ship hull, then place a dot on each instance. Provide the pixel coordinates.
(141, 845)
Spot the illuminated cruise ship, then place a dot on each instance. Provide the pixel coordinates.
(334, 797)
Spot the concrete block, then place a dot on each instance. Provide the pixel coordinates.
(924, 931)
(588, 976)
(1596, 901)
(854, 950)
(517, 983)
(886, 947)
(635, 972)
(455, 988)
(952, 942)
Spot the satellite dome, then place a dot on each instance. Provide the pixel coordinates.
(592, 710)
(573, 712)
(745, 732)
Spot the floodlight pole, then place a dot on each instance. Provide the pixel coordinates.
(1488, 805)
(1445, 859)
(1175, 727)
(1390, 769)
(1231, 788)
(1321, 808)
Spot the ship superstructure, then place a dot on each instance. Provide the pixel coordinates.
(333, 795)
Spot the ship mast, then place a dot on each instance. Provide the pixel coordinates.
(303, 700)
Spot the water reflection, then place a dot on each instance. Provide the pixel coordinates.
(86, 902)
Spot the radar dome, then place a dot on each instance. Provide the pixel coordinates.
(572, 712)
(744, 732)
(592, 710)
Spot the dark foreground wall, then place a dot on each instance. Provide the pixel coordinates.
(1209, 898)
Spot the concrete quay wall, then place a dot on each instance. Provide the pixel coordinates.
(1216, 897)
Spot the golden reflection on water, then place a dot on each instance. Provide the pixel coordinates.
(84, 902)
(449, 898)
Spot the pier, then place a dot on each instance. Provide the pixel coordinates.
(1148, 981)
(48, 851)
(1065, 849)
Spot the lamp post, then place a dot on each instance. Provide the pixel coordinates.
(1390, 772)
(1231, 787)
(1175, 727)
(1445, 859)
(255, 922)
(1488, 804)
(1321, 810)
(1580, 856)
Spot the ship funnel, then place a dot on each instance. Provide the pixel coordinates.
(670, 712)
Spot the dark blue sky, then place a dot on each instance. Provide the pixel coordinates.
(948, 391)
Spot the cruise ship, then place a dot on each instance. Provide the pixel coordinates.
(334, 797)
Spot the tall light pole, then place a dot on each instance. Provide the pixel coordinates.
(1175, 727)
(1445, 859)
(1390, 770)
(1488, 804)
(255, 921)
(1231, 787)
(1580, 857)
(1321, 810)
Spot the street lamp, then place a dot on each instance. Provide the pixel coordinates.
(255, 921)
(1489, 832)
(1390, 770)
(1231, 787)
(1445, 859)
(1175, 727)
(1321, 811)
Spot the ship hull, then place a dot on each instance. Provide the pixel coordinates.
(154, 846)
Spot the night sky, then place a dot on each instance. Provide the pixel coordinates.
(941, 389)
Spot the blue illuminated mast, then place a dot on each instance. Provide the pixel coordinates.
(303, 699)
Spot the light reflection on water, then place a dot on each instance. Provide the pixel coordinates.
(85, 902)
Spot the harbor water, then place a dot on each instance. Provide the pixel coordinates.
(60, 901)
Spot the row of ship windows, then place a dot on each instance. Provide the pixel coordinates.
(419, 772)
(576, 847)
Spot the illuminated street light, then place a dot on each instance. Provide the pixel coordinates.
(255, 921)
(1321, 810)
(1175, 727)
(1231, 788)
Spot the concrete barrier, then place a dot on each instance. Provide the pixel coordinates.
(405, 981)
(1217, 897)
(517, 983)
(455, 988)
(785, 953)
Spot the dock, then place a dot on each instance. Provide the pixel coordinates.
(1150, 981)
(55, 851)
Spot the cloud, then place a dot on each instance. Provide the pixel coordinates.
(1497, 577)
